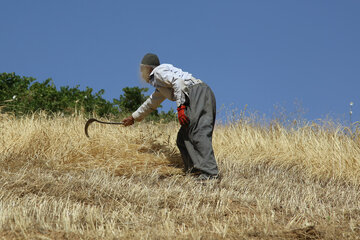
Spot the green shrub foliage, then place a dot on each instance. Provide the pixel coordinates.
(24, 95)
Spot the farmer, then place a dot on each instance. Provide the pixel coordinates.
(196, 108)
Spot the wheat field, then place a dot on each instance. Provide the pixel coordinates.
(127, 183)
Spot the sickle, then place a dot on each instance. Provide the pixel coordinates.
(91, 120)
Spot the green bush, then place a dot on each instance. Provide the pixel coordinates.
(131, 99)
(23, 95)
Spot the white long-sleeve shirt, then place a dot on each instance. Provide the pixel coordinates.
(171, 83)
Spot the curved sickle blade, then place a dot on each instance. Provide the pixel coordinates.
(91, 120)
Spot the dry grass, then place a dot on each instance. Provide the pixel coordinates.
(123, 183)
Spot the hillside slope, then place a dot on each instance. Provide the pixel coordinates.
(277, 183)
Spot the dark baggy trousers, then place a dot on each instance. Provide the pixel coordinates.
(195, 140)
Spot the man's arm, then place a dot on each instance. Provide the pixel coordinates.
(151, 104)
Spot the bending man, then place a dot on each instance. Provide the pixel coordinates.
(196, 106)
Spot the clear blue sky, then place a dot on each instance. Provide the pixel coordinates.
(259, 53)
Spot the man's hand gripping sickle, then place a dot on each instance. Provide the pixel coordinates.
(183, 119)
(128, 121)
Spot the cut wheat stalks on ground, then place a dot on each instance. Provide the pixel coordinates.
(127, 183)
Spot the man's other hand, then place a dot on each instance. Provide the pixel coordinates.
(183, 119)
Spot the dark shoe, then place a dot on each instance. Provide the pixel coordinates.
(193, 171)
(206, 177)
